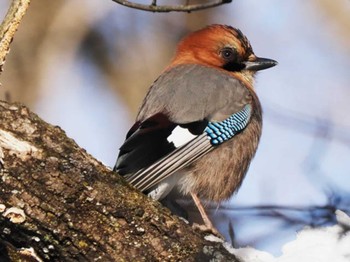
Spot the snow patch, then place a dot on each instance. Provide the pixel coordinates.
(324, 244)
(16, 146)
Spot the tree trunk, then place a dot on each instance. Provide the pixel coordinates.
(60, 204)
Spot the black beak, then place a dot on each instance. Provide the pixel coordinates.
(259, 64)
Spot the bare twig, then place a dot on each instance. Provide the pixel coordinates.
(325, 128)
(153, 7)
(9, 27)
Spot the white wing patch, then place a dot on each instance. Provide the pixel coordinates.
(180, 136)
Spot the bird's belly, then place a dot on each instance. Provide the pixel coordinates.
(218, 174)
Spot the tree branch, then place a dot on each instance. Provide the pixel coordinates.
(57, 203)
(9, 27)
(153, 7)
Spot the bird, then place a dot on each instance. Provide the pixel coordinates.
(200, 123)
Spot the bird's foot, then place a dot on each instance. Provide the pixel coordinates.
(208, 229)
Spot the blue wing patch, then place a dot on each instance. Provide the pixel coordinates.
(218, 132)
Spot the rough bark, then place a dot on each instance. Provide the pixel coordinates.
(60, 204)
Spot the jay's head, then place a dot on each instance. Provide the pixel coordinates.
(222, 47)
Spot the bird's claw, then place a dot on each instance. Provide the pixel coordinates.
(206, 229)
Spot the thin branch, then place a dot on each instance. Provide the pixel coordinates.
(153, 7)
(325, 128)
(10, 25)
(310, 208)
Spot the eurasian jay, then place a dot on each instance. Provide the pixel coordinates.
(199, 125)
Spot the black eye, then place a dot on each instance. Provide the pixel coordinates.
(228, 53)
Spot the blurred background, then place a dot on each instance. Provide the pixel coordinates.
(86, 65)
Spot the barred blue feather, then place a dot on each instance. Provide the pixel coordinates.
(218, 132)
